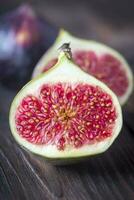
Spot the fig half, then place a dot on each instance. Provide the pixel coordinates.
(65, 113)
(97, 59)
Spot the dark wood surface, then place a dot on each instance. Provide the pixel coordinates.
(109, 176)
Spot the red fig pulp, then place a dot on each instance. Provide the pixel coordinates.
(85, 112)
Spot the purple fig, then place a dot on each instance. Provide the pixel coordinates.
(24, 38)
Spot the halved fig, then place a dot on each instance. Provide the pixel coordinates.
(65, 113)
(97, 59)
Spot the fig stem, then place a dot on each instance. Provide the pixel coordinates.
(67, 50)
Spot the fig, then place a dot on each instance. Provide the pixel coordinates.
(65, 114)
(24, 38)
(95, 58)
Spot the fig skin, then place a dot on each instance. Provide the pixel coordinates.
(61, 161)
(25, 37)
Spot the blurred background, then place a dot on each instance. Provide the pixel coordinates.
(108, 21)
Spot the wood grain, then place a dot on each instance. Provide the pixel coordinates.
(23, 176)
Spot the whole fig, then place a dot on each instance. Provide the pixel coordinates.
(24, 37)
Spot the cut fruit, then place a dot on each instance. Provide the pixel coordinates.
(104, 63)
(65, 113)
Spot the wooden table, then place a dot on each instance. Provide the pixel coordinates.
(109, 176)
